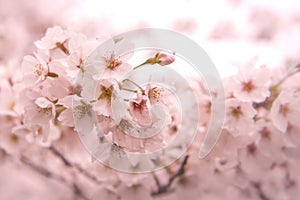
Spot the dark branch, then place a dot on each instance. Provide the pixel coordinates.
(260, 193)
(58, 154)
(48, 174)
(87, 174)
(3, 153)
(75, 166)
(78, 192)
(41, 170)
(161, 189)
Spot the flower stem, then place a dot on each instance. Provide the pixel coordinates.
(62, 47)
(140, 65)
(134, 83)
(129, 90)
(161, 189)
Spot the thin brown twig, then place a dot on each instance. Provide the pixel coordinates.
(74, 165)
(41, 170)
(78, 193)
(260, 193)
(161, 189)
(58, 154)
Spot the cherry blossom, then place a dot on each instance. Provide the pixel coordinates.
(139, 110)
(83, 115)
(7, 99)
(79, 47)
(285, 110)
(103, 94)
(35, 67)
(65, 112)
(239, 115)
(38, 114)
(118, 136)
(250, 84)
(43, 135)
(55, 38)
(110, 62)
(249, 155)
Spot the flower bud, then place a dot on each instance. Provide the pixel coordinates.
(162, 59)
(165, 59)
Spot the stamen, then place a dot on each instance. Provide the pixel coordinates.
(112, 62)
(265, 133)
(46, 111)
(62, 47)
(251, 148)
(38, 70)
(236, 112)
(284, 109)
(83, 110)
(248, 86)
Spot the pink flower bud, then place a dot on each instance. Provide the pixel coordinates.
(165, 59)
(162, 59)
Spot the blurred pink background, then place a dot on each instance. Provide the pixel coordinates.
(232, 32)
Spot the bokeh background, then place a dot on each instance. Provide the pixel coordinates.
(232, 32)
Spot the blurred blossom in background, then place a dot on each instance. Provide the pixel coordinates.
(234, 33)
(230, 31)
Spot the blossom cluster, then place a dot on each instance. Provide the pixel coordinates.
(257, 156)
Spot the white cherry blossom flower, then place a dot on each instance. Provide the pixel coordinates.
(54, 38)
(239, 116)
(250, 84)
(111, 60)
(285, 109)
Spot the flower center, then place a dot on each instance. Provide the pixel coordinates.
(112, 62)
(140, 107)
(106, 93)
(248, 86)
(83, 110)
(251, 148)
(284, 109)
(265, 133)
(38, 70)
(45, 111)
(155, 93)
(236, 112)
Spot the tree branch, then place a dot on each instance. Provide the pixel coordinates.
(161, 189)
(60, 156)
(74, 165)
(260, 193)
(78, 193)
(41, 170)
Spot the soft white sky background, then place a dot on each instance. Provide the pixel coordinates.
(204, 16)
(237, 22)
